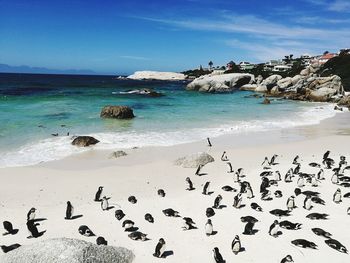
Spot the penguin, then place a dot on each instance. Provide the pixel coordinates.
(209, 228)
(326, 155)
(200, 166)
(237, 202)
(256, 207)
(318, 200)
(321, 232)
(280, 212)
(217, 256)
(189, 184)
(287, 259)
(149, 218)
(236, 245)
(296, 160)
(224, 157)
(85, 231)
(288, 176)
(348, 211)
(278, 194)
(104, 203)
(296, 169)
(209, 212)
(209, 142)
(337, 196)
(273, 159)
(290, 203)
(301, 182)
(206, 188)
(246, 219)
(317, 216)
(249, 192)
(9, 228)
(132, 199)
(236, 178)
(289, 225)
(31, 214)
(335, 178)
(188, 223)
(248, 229)
(228, 188)
(101, 241)
(119, 214)
(161, 193)
(32, 228)
(230, 167)
(277, 176)
(217, 202)
(137, 235)
(160, 249)
(243, 186)
(128, 225)
(170, 212)
(273, 231)
(266, 163)
(315, 165)
(335, 244)
(304, 243)
(6, 249)
(307, 203)
(320, 174)
(98, 194)
(266, 196)
(69, 211)
(314, 182)
(265, 183)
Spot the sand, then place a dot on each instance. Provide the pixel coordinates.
(48, 186)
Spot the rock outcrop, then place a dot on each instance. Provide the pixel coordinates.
(156, 75)
(66, 250)
(117, 112)
(84, 141)
(117, 154)
(220, 83)
(194, 160)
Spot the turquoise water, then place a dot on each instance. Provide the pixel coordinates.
(32, 107)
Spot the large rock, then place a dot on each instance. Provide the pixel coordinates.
(344, 101)
(117, 112)
(296, 79)
(261, 88)
(249, 87)
(156, 75)
(322, 95)
(285, 83)
(65, 250)
(220, 83)
(84, 141)
(194, 160)
(271, 81)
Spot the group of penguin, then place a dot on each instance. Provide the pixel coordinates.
(245, 189)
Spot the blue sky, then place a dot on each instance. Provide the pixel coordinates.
(117, 36)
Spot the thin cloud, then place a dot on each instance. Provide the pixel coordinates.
(134, 57)
(340, 6)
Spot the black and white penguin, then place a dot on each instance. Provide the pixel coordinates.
(296, 160)
(104, 203)
(85, 231)
(237, 201)
(132, 199)
(321, 232)
(265, 183)
(289, 225)
(335, 178)
(206, 188)
(149, 218)
(315, 165)
(273, 231)
(32, 228)
(230, 167)
(288, 176)
(304, 243)
(249, 192)
(278, 176)
(314, 181)
(217, 202)
(119, 214)
(266, 196)
(9, 228)
(236, 178)
(209, 142)
(287, 259)
(228, 188)
(69, 211)
(161, 192)
(335, 244)
(101, 241)
(236, 245)
(317, 216)
(199, 168)
(217, 256)
(188, 224)
(280, 212)
(320, 174)
(31, 214)
(301, 182)
(160, 249)
(290, 203)
(209, 212)
(348, 211)
(337, 196)
(266, 163)
(256, 207)
(296, 169)
(128, 225)
(224, 157)
(209, 228)
(273, 159)
(6, 249)
(307, 203)
(98, 194)
(171, 212)
(189, 184)
(137, 235)
(248, 229)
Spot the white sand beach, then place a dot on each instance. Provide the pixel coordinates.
(48, 186)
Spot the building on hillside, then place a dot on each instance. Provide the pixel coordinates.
(281, 68)
(324, 58)
(245, 65)
(271, 64)
(230, 65)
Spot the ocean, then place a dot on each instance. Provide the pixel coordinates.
(34, 106)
